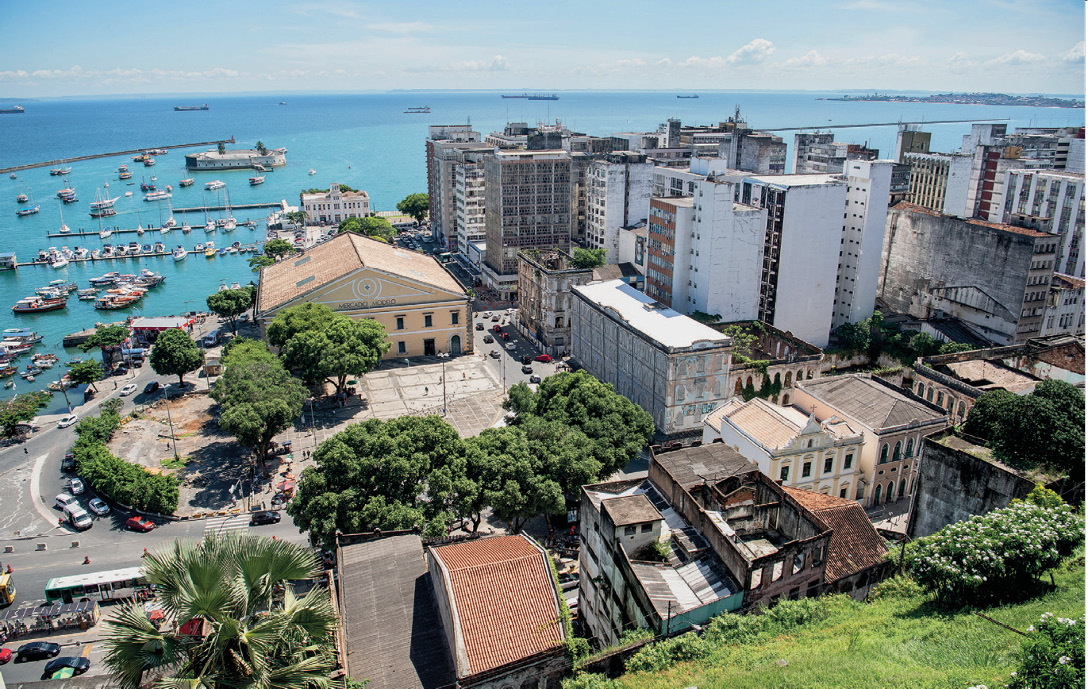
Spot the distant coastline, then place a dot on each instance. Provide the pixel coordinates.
(971, 99)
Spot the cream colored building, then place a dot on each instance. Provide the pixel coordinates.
(424, 310)
(335, 205)
(789, 445)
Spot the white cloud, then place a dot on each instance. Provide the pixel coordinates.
(810, 59)
(1075, 54)
(753, 52)
(1017, 57)
(495, 64)
(402, 28)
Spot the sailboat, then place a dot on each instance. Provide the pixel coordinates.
(28, 211)
(209, 225)
(102, 204)
(64, 229)
(170, 222)
(229, 223)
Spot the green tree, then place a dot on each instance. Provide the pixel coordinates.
(371, 226)
(231, 303)
(175, 354)
(854, 337)
(261, 148)
(20, 408)
(221, 147)
(258, 262)
(513, 478)
(584, 259)
(297, 319)
(258, 397)
(416, 205)
(924, 345)
(260, 634)
(744, 342)
(278, 247)
(955, 347)
(86, 373)
(108, 339)
(393, 474)
(343, 190)
(342, 348)
(297, 217)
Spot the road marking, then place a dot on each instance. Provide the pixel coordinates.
(222, 525)
(87, 649)
(36, 491)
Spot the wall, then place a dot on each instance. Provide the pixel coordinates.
(868, 184)
(726, 255)
(954, 485)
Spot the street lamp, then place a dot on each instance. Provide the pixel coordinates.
(313, 431)
(170, 420)
(443, 356)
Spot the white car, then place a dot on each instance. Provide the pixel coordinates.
(99, 507)
(128, 389)
(76, 486)
(67, 420)
(511, 346)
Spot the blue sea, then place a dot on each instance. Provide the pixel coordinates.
(364, 140)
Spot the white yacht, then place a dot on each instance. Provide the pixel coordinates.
(180, 254)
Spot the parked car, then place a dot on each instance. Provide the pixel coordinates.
(511, 346)
(526, 369)
(99, 507)
(78, 517)
(544, 358)
(36, 650)
(64, 500)
(505, 336)
(120, 370)
(496, 328)
(479, 326)
(526, 359)
(128, 389)
(68, 463)
(139, 523)
(76, 486)
(67, 420)
(534, 379)
(494, 354)
(260, 518)
(151, 387)
(494, 319)
(77, 664)
(5, 655)
(488, 339)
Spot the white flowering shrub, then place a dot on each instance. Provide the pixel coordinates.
(1053, 655)
(987, 556)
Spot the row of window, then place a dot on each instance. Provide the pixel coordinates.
(896, 452)
(829, 465)
(428, 320)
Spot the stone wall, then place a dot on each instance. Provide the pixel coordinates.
(954, 485)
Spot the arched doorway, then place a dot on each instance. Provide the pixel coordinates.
(902, 487)
(876, 495)
(455, 345)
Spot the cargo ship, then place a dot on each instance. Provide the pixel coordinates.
(694, 95)
(14, 110)
(421, 109)
(184, 108)
(515, 95)
(544, 96)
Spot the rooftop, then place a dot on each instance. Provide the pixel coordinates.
(913, 208)
(159, 322)
(504, 598)
(631, 509)
(855, 544)
(872, 404)
(386, 580)
(984, 375)
(809, 180)
(1063, 281)
(641, 313)
(770, 425)
(711, 462)
(294, 277)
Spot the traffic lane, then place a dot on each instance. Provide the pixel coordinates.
(509, 361)
(86, 644)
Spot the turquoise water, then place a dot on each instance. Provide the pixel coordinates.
(364, 140)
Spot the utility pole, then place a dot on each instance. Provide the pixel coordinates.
(668, 618)
(443, 356)
(170, 420)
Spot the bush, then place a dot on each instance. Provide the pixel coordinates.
(668, 652)
(1053, 655)
(588, 681)
(990, 555)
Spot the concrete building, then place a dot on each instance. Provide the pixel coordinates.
(910, 139)
(670, 365)
(669, 234)
(732, 540)
(335, 205)
(773, 357)
(469, 191)
(235, 159)
(445, 147)
(527, 207)
(423, 308)
(788, 444)
(940, 182)
(1049, 201)
(892, 424)
(868, 184)
(617, 196)
(818, 152)
(760, 153)
(994, 278)
(1064, 313)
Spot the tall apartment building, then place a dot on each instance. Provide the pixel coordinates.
(468, 192)
(527, 200)
(909, 139)
(761, 153)
(1051, 201)
(617, 196)
(940, 182)
(445, 146)
(1064, 313)
(867, 193)
(818, 152)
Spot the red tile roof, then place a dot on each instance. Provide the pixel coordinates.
(505, 599)
(855, 544)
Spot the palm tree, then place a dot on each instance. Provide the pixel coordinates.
(261, 148)
(258, 634)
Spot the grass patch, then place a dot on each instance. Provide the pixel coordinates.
(901, 640)
(174, 463)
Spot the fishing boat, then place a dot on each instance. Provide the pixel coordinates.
(312, 172)
(147, 186)
(58, 171)
(209, 250)
(123, 168)
(38, 304)
(157, 195)
(254, 181)
(125, 175)
(89, 294)
(187, 182)
(214, 184)
(22, 198)
(105, 233)
(149, 162)
(180, 254)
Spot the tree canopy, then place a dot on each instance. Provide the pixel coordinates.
(513, 477)
(291, 321)
(86, 373)
(20, 408)
(315, 190)
(1045, 427)
(259, 634)
(278, 247)
(175, 354)
(258, 262)
(231, 303)
(105, 337)
(416, 205)
(371, 226)
(395, 474)
(587, 258)
(343, 347)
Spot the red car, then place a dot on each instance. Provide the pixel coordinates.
(139, 524)
(497, 329)
(505, 336)
(544, 358)
(5, 655)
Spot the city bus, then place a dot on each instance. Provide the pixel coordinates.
(7, 589)
(98, 586)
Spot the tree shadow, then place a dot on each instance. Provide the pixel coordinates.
(212, 469)
(1004, 594)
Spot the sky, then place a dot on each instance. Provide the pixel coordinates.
(104, 47)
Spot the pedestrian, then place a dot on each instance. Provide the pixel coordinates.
(26, 451)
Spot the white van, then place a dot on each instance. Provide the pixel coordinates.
(64, 500)
(78, 517)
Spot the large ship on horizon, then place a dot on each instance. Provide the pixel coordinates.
(183, 108)
(544, 96)
(14, 110)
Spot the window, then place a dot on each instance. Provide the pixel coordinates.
(813, 590)
(455, 317)
(777, 569)
(402, 347)
(795, 593)
(400, 322)
(849, 461)
(798, 562)
(427, 321)
(757, 579)
(910, 447)
(785, 475)
(895, 453)
(806, 469)
(628, 531)
(876, 495)
(884, 454)
(647, 528)
(842, 492)
(828, 463)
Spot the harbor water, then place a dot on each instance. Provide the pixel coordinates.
(364, 140)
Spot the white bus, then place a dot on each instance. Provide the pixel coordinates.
(97, 586)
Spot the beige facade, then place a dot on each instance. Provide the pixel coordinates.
(335, 205)
(424, 310)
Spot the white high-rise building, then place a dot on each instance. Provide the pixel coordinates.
(1050, 201)
(468, 192)
(862, 240)
(617, 196)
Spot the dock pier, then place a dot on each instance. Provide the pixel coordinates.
(242, 249)
(76, 159)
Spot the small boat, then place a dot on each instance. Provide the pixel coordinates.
(64, 229)
(105, 234)
(157, 196)
(22, 198)
(147, 186)
(210, 227)
(125, 175)
(58, 171)
(312, 171)
(254, 181)
(214, 184)
(235, 285)
(87, 294)
(25, 336)
(120, 250)
(186, 228)
(146, 248)
(209, 250)
(123, 168)
(59, 262)
(38, 304)
(180, 254)
(187, 182)
(104, 212)
(199, 248)
(224, 251)
(13, 176)
(80, 253)
(149, 162)
(418, 110)
(128, 194)
(27, 211)
(160, 248)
